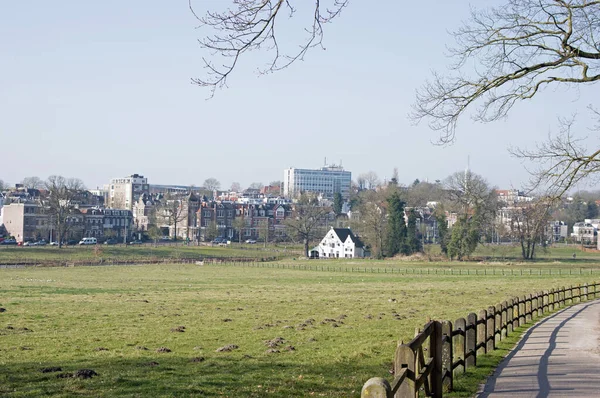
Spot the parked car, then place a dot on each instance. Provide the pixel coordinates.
(9, 242)
(136, 242)
(110, 241)
(70, 242)
(41, 242)
(250, 241)
(29, 243)
(219, 240)
(53, 243)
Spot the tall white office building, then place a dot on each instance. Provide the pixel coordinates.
(123, 192)
(327, 181)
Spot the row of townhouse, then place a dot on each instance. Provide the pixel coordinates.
(28, 220)
(218, 219)
(203, 219)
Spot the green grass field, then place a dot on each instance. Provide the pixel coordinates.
(52, 255)
(337, 329)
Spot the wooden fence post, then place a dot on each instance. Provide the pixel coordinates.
(481, 332)
(503, 327)
(458, 345)
(376, 387)
(435, 347)
(509, 317)
(551, 300)
(490, 330)
(545, 309)
(559, 302)
(447, 359)
(516, 313)
(571, 297)
(471, 341)
(497, 324)
(522, 311)
(534, 305)
(405, 358)
(585, 291)
(528, 312)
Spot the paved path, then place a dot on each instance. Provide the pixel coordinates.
(558, 357)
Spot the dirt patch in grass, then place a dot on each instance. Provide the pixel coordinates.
(51, 369)
(228, 348)
(80, 374)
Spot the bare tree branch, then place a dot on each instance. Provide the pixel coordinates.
(521, 48)
(250, 25)
(562, 161)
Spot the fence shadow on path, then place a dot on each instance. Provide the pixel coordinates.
(542, 374)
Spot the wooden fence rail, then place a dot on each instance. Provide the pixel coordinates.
(443, 350)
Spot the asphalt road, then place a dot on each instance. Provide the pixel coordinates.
(557, 357)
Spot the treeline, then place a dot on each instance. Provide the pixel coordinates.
(458, 213)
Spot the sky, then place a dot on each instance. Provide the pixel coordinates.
(99, 90)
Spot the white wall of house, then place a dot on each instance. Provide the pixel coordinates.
(332, 247)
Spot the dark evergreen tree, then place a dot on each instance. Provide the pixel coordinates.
(337, 203)
(412, 241)
(396, 232)
(592, 209)
(442, 227)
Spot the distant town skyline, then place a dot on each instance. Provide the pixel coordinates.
(101, 90)
(227, 184)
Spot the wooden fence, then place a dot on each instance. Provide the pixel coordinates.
(443, 350)
(237, 261)
(265, 263)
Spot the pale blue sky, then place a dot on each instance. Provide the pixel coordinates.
(97, 90)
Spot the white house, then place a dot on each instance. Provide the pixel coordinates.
(583, 232)
(340, 242)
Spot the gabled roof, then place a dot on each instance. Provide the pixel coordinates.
(343, 234)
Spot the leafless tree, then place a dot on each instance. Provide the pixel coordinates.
(212, 184)
(235, 187)
(59, 203)
(469, 194)
(465, 190)
(251, 25)
(528, 225)
(2, 185)
(238, 224)
(520, 48)
(171, 211)
(307, 223)
(373, 217)
(256, 185)
(420, 194)
(32, 183)
(368, 180)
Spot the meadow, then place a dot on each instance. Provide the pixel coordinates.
(52, 255)
(223, 330)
